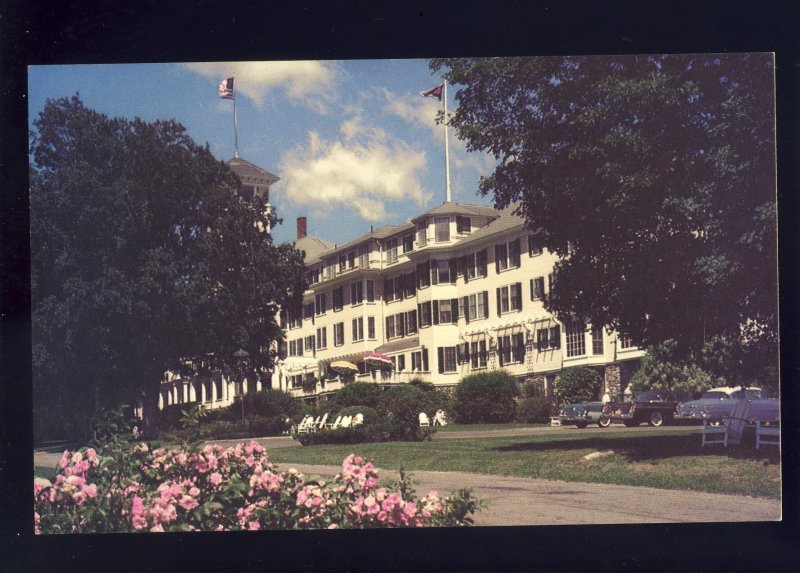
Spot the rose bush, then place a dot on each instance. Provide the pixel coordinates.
(125, 488)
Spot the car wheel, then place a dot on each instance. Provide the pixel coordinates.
(580, 424)
(656, 419)
(604, 422)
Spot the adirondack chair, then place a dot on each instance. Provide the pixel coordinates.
(715, 432)
(321, 424)
(304, 426)
(346, 421)
(424, 420)
(336, 423)
(358, 420)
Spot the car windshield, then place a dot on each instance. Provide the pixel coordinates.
(717, 395)
(754, 394)
(649, 396)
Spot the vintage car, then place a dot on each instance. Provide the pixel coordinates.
(716, 403)
(583, 414)
(656, 407)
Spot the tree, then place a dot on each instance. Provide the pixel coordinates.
(652, 178)
(577, 384)
(486, 397)
(142, 255)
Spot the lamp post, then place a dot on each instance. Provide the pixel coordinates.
(241, 357)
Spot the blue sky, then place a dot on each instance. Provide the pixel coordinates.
(354, 143)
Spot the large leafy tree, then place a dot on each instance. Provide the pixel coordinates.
(652, 177)
(142, 255)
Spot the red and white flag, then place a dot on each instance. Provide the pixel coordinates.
(226, 89)
(434, 92)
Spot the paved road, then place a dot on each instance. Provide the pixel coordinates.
(527, 501)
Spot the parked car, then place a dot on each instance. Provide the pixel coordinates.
(656, 407)
(716, 403)
(583, 414)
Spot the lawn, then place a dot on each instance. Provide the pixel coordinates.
(660, 459)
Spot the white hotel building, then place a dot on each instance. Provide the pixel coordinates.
(456, 290)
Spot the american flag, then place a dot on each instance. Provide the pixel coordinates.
(434, 92)
(226, 89)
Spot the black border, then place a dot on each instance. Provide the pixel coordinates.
(151, 31)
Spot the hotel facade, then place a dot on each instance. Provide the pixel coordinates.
(454, 291)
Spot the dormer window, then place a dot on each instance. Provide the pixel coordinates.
(463, 225)
(422, 233)
(391, 251)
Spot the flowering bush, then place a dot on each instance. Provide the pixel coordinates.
(134, 489)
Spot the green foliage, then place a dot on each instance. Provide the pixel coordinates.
(486, 397)
(577, 384)
(652, 176)
(358, 393)
(134, 231)
(663, 367)
(536, 408)
(192, 417)
(270, 402)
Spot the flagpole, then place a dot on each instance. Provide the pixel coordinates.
(446, 147)
(235, 132)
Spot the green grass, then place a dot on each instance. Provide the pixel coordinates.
(660, 459)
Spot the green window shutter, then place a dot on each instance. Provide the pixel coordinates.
(499, 306)
(440, 355)
(497, 259)
(454, 309)
(435, 312)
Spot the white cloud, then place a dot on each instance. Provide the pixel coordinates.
(310, 83)
(363, 171)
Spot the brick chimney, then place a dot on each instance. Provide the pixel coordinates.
(301, 227)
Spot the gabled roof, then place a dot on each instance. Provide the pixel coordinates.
(380, 233)
(314, 248)
(505, 221)
(250, 173)
(459, 209)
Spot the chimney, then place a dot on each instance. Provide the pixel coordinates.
(301, 227)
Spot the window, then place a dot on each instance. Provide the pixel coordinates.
(423, 275)
(409, 285)
(308, 311)
(338, 298)
(370, 290)
(411, 322)
(342, 263)
(474, 306)
(391, 251)
(408, 243)
(473, 265)
(351, 260)
(441, 229)
(506, 256)
(443, 272)
(358, 329)
(480, 261)
(548, 338)
(463, 225)
(576, 342)
(597, 339)
(388, 290)
(338, 334)
(511, 348)
(537, 288)
(478, 354)
(447, 359)
(626, 341)
(390, 327)
(319, 303)
(509, 298)
(533, 246)
(322, 337)
(471, 307)
(445, 312)
(310, 344)
(297, 381)
(371, 327)
(363, 257)
(419, 360)
(356, 293)
(400, 324)
(483, 304)
(401, 362)
(424, 310)
(422, 233)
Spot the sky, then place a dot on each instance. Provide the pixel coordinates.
(355, 144)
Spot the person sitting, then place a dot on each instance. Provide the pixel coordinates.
(440, 418)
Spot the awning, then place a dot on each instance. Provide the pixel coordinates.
(398, 345)
(379, 360)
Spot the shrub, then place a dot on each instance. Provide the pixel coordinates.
(535, 410)
(577, 384)
(486, 397)
(269, 403)
(370, 415)
(358, 393)
(132, 489)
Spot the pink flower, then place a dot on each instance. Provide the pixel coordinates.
(188, 503)
(157, 529)
(91, 490)
(180, 458)
(64, 461)
(215, 478)
(253, 526)
(382, 516)
(194, 492)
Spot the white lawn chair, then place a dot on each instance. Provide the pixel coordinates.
(305, 425)
(346, 421)
(424, 420)
(715, 432)
(336, 423)
(358, 420)
(321, 424)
